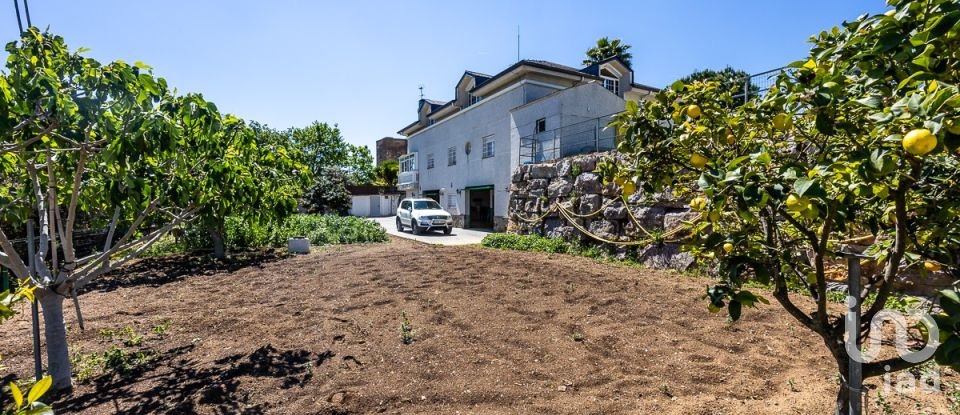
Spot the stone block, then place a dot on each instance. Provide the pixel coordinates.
(542, 171)
(588, 183)
(666, 256)
(564, 168)
(616, 211)
(559, 188)
(589, 204)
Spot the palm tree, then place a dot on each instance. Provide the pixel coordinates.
(607, 48)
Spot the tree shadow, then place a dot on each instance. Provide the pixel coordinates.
(173, 383)
(154, 272)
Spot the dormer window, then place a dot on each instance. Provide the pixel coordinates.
(475, 99)
(431, 122)
(612, 85)
(610, 78)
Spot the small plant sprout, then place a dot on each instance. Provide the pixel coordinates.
(406, 328)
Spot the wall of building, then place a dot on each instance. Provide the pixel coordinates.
(363, 205)
(390, 148)
(488, 118)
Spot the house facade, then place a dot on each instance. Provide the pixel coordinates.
(462, 152)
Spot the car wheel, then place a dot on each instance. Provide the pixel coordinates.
(414, 227)
(399, 225)
(447, 230)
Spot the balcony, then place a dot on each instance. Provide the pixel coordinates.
(584, 137)
(408, 177)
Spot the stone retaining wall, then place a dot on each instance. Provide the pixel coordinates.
(573, 183)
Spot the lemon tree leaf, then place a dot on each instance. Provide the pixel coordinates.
(39, 388)
(17, 394)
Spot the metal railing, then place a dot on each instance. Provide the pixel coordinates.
(584, 137)
(757, 84)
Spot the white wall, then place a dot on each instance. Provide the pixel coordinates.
(361, 205)
(489, 117)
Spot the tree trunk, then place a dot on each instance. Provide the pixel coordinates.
(843, 398)
(58, 356)
(216, 235)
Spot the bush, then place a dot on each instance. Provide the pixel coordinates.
(246, 234)
(328, 229)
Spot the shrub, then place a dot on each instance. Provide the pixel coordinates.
(534, 243)
(328, 229)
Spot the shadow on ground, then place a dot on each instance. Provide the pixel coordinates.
(178, 384)
(154, 272)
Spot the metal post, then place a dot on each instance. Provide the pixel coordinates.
(596, 136)
(746, 89)
(34, 308)
(855, 376)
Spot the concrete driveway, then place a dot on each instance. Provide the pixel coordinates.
(459, 236)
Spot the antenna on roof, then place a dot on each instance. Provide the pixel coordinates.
(518, 43)
(421, 91)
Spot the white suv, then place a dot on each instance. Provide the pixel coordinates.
(422, 215)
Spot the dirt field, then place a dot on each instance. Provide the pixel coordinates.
(494, 332)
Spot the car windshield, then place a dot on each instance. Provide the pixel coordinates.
(425, 204)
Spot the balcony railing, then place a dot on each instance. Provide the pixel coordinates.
(407, 180)
(583, 137)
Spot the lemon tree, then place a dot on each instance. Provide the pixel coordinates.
(854, 145)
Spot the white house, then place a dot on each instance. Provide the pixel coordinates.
(462, 152)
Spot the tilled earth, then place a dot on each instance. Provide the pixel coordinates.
(494, 332)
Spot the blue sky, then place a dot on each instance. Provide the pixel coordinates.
(358, 63)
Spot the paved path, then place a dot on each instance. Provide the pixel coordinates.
(459, 236)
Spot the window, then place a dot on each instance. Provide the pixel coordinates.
(541, 126)
(451, 202)
(612, 85)
(488, 146)
(452, 156)
(425, 205)
(405, 205)
(473, 99)
(408, 162)
(430, 161)
(431, 122)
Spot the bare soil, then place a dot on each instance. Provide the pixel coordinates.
(495, 332)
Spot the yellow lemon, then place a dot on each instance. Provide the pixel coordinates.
(919, 142)
(728, 247)
(693, 111)
(931, 266)
(698, 203)
(619, 181)
(698, 161)
(629, 188)
(796, 203)
(731, 139)
(953, 126)
(811, 212)
(782, 122)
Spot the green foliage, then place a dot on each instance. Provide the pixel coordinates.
(730, 79)
(387, 173)
(819, 160)
(125, 354)
(406, 329)
(537, 243)
(29, 404)
(605, 49)
(328, 194)
(327, 230)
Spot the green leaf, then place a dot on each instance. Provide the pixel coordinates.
(734, 308)
(873, 101)
(808, 187)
